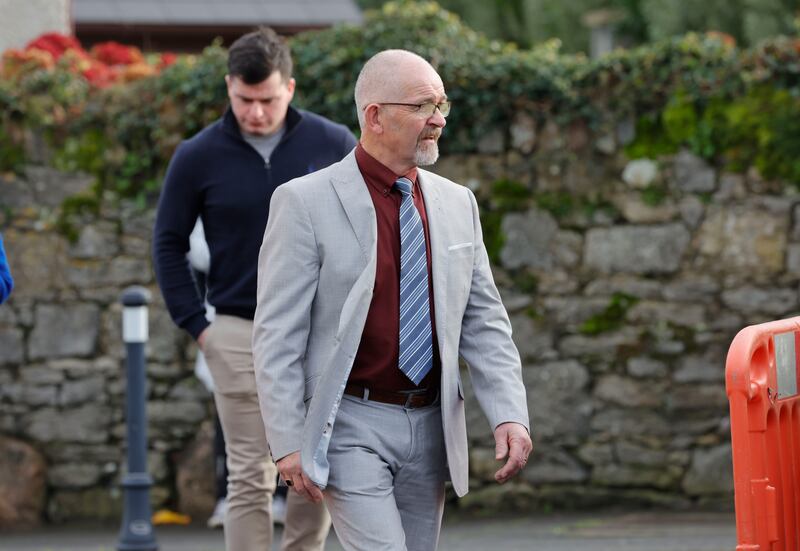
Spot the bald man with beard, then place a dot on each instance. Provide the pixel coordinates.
(373, 282)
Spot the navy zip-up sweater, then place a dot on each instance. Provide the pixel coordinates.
(218, 176)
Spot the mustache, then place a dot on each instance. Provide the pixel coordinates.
(432, 133)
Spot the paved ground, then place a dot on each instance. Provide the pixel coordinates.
(621, 531)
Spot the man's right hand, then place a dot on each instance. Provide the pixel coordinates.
(296, 479)
(201, 339)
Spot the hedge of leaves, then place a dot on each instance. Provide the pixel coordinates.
(735, 107)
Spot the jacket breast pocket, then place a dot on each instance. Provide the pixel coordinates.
(463, 248)
(459, 269)
(460, 255)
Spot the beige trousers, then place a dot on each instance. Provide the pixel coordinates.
(251, 471)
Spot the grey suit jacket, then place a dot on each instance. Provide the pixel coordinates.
(316, 272)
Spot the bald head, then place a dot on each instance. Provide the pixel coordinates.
(388, 76)
(393, 88)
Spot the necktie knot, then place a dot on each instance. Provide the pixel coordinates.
(404, 186)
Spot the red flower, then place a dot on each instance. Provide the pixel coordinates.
(109, 63)
(100, 75)
(57, 44)
(114, 53)
(167, 59)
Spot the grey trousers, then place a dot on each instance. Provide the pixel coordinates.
(251, 472)
(387, 472)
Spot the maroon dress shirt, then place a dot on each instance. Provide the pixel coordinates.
(376, 362)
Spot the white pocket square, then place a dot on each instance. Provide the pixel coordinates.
(459, 246)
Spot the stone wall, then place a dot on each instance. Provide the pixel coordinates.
(62, 379)
(625, 282)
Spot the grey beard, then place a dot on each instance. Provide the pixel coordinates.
(426, 156)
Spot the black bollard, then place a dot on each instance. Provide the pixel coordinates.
(136, 533)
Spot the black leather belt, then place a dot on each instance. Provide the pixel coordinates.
(410, 399)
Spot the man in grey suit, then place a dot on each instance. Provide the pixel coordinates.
(373, 280)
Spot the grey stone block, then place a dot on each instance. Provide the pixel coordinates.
(165, 413)
(96, 241)
(640, 173)
(88, 424)
(711, 472)
(83, 390)
(72, 475)
(646, 367)
(691, 173)
(554, 466)
(700, 368)
(69, 330)
(626, 392)
(529, 240)
(636, 249)
(11, 346)
(750, 300)
(723, 249)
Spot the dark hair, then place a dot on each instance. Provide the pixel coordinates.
(256, 55)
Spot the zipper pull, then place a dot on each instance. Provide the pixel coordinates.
(267, 165)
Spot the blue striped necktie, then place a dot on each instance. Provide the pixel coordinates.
(416, 338)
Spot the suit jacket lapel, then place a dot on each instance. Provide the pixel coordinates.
(357, 204)
(437, 231)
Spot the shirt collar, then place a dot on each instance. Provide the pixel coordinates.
(378, 175)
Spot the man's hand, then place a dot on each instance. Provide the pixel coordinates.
(513, 441)
(201, 339)
(296, 479)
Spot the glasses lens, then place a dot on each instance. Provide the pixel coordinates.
(427, 109)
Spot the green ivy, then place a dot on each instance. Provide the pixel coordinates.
(12, 155)
(84, 152)
(493, 238)
(706, 197)
(759, 128)
(611, 318)
(654, 195)
(505, 196)
(558, 203)
(651, 139)
(591, 206)
(74, 207)
(510, 196)
(525, 281)
(736, 108)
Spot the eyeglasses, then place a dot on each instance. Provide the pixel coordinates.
(425, 109)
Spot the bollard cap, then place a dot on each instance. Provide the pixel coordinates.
(135, 295)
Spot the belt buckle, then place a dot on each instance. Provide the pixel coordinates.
(410, 394)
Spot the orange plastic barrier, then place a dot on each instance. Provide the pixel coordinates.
(761, 378)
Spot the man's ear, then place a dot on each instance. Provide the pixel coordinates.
(373, 118)
(290, 86)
